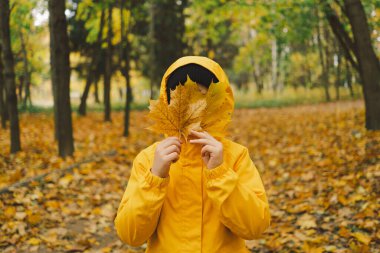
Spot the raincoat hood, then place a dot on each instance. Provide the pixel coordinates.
(207, 63)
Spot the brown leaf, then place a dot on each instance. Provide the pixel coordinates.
(307, 221)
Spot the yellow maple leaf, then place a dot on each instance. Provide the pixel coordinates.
(217, 113)
(184, 112)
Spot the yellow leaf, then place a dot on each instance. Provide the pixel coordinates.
(361, 237)
(10, 211)
(34, 241)
(53, 204)
(183, 113)
(96, 211)
(218, 112)
(66, 180)
(14, 177)
(34, 219)
(106, 249)
(312, 249)
(342, 199)
(344, 232)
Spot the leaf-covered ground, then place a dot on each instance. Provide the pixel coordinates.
(321, 169)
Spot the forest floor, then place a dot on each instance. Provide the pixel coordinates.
(320, 167)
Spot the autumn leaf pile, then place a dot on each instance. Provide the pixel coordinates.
(320, 167)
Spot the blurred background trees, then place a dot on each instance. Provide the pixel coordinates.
(274, 52)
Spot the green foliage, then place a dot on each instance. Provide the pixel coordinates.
(267, 44)
(24, 30)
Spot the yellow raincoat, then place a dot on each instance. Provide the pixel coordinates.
(194, 209)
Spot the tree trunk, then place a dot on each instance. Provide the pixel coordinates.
(60, 75)
(125, 67)
(83, 99)
(280, 70)
(91, 67)
(325, 76)
(96, 89)
(2, 95)
(369, 64)
(257, 76)
(329, 60)
(349, 79)
(274, 65)
(10, 85)
(338, 79)
(26, 74)
(20, 87)
(108, 69)
(27, 97)
(342, 36)
(152, 53)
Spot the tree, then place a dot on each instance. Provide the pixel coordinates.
(26, 73)
(60, 75)
(27, 47)
(3, 110)
(124, 62)
(166, 35)
(360, 53)
(10, 86)
(92, 65)
(323, 58)
(369, 64)
(108, 67)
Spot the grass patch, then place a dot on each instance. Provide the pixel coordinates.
(243, 99)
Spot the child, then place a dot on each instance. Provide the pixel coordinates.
(210, 200)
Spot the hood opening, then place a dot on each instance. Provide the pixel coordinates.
(196, 72)
(205, 62)
(213, 67)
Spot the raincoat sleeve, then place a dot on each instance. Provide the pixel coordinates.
(239, 194)
(140, 207)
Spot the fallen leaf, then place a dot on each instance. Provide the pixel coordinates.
(34, 241)
(307, 221)
(361, 237)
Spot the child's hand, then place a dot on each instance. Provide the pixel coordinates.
(167, 151)
(212, 150)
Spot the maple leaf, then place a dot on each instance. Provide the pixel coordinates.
(214, 117)
(218, 112)
(184, 112)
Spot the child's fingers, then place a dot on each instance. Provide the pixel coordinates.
(203, 141)
(172, 156)
(198, 134)
(208, 135)
(203, 134)
(208, 148)
(170, 141)
(171, 149)
(170, 138)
